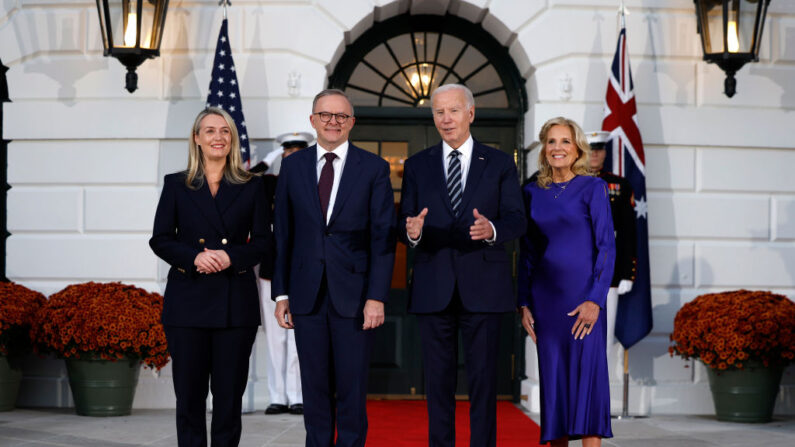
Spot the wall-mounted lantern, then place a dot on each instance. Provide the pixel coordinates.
(731, 31)
(131, 32)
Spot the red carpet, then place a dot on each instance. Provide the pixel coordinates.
(404, 423)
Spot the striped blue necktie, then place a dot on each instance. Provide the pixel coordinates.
(454, 187)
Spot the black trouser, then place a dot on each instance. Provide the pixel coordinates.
(334, 353)
(480, 333)
(216, 356)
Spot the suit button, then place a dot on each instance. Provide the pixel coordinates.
(224, 241)
(201, 240)
(328, 233)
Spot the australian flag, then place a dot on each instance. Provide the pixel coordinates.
(625, 155)
(224, 92)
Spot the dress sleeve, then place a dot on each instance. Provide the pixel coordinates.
(604, 241)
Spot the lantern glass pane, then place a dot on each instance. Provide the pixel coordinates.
(746, 12)
(124, 23)
(103, 27)
(148, 33)
(123, 20)
(712, 26)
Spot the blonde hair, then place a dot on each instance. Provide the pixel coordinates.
(233, 168)
(581, 166)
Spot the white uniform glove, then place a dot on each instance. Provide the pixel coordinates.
(272, 155)
(624, 286)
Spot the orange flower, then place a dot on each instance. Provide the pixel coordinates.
(104, 320)
(18, 307)
(736, 325)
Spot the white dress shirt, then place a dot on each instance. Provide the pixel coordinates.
(339, 163)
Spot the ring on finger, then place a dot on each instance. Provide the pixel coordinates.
(587, 325)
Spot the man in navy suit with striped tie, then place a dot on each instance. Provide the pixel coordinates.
(461, 202)
(335, 249)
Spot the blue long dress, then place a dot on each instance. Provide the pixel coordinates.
(567, 257)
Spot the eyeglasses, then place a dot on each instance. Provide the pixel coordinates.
(340, 118)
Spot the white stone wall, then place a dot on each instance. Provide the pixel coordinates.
(87, 158)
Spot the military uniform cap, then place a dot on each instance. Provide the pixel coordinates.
(293, 139)
(597, 139)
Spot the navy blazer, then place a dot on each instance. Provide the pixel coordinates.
(355, 251)
(236, 220)
(446, 255)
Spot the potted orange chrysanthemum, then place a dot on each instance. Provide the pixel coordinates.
(745, 338)
(104, 331)
(18, 306)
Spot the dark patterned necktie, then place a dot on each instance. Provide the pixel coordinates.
(326, 182)
(454, 187)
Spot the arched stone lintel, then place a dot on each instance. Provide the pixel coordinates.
(492, 20)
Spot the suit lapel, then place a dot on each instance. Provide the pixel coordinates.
(226, 195)
(436, 164)
(476, 166)
(349, 176)
(206, 204)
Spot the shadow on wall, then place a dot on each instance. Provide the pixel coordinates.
(66, 75)
(254, 66)
(597, 77)
(781, 76)
(643, 368)
(180, 74)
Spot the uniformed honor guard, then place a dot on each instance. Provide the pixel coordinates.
(622, 206)
(284, 374)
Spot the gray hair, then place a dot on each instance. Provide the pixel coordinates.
(447, 87)
(331, 92)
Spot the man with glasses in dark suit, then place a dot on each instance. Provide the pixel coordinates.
(335, 245)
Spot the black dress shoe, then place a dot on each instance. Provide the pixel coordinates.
(276, 409)
(297, 409)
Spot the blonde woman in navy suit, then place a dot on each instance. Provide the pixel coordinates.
(212, 226)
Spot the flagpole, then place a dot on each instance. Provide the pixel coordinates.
(225, 3)
(622, 11)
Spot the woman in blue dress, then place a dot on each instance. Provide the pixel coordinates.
(567, 261)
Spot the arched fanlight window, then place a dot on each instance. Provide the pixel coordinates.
(399, 62)
(404, 70)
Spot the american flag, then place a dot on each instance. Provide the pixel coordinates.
(224, 92)
(625, 155)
